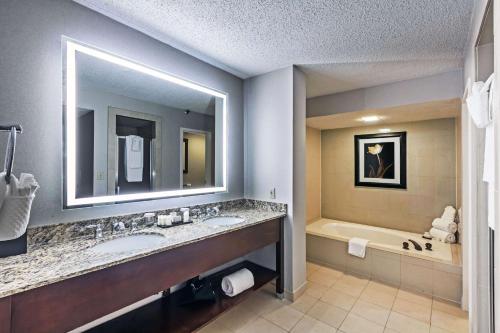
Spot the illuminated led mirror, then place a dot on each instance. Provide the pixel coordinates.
(135, 133)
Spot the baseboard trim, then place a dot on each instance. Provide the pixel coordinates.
(293, 296)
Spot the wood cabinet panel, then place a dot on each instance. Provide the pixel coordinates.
(68, 304)
(5, 315)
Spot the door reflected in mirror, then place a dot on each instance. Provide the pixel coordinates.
(198, 168)
(135, 133)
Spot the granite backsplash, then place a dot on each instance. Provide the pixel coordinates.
(56, 233)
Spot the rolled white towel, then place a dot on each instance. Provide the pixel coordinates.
(449, 213)
(236, 283)
(444, 225)
(442, 236)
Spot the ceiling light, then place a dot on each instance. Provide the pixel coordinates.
(370, 119)
(384, 130)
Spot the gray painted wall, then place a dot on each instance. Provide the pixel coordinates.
(31, 94)
(299, 179)
(437, 87)
(268, 151)
(271, 151)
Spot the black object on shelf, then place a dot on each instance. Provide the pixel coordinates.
(170, 314)
(428, 246)
(199, 290)
(14, 247)
(406, 246)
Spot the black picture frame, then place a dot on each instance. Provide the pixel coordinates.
(360, 178)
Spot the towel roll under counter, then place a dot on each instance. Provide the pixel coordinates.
(237, 282)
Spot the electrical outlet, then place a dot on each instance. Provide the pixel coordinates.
(273, 193)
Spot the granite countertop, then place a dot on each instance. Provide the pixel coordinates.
(52, 262)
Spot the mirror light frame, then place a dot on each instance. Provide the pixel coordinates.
(70, 129)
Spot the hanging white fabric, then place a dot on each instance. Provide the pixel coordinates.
(480, 104)
(16, 196)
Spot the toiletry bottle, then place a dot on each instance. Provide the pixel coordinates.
(185, 214)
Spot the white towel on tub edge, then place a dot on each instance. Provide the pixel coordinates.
(357, 247)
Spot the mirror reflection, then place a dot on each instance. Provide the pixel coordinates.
(136, 133)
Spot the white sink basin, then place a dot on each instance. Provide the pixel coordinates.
(128, 243)
(223, 220)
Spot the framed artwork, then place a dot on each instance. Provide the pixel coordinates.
(380, 160)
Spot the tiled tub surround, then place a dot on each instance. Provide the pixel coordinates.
(431, 177)
(428, 275)
(56, 253)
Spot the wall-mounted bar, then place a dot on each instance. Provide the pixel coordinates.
(6, 128)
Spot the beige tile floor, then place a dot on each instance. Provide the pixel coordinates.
(341, 303)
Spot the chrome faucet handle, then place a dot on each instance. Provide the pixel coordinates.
(195, 212)
(118, 226)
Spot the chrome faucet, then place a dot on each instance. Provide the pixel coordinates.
(98, 230)
(213, 211)
(133, 226)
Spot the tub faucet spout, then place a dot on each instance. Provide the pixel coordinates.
(417, 246)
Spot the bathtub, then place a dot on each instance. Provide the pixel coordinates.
(381, 238)
(435, 272)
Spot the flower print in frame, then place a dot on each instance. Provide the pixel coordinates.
(380, 160)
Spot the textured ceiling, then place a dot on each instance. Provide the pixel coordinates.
(341, 45)
(96, 74)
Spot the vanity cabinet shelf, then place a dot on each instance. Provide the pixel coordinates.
(168, 315)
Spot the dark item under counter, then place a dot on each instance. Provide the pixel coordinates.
(14, 247)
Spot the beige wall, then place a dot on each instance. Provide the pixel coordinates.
(196, 160)
(431, 178)
(313, 174)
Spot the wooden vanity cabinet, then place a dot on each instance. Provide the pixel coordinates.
(65, 305)
(5, 315)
